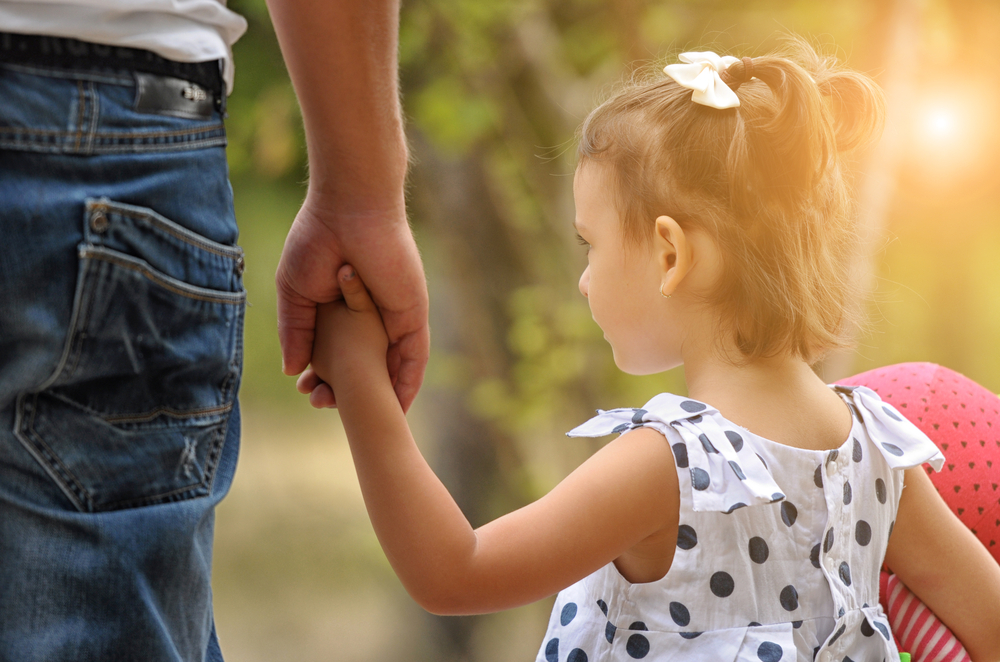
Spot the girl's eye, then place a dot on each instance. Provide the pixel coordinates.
(580, 240)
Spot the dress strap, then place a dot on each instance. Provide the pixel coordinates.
(901, 442)
(725, 473)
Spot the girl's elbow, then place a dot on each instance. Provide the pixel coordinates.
(436, 603)
(441, 599)
(443, 608)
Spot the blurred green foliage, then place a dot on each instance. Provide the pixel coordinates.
(493, 93)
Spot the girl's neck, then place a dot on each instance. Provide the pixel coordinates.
(716, 378)
(779, 398)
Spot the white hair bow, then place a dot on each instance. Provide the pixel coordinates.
(701, 74)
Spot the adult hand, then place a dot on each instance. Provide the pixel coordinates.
(380, 246)
(342, 59)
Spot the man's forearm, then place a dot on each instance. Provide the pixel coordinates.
(342, 59)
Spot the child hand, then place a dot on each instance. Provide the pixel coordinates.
(351, 342)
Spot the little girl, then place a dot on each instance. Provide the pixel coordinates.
(749, 520)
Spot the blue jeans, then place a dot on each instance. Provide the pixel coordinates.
(121, 326)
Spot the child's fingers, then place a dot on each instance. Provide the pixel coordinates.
(320, 394)
(307, 381)
(323, 397)
(355, 294)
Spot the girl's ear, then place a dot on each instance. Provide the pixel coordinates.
(673, 254)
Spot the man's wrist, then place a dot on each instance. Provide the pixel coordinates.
(346, 214)
(375, 180)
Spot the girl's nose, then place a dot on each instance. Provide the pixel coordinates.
(585, 281)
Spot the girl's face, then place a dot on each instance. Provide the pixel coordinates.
(622, 283)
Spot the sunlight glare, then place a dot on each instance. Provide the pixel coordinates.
(941, 123)
(947, 132)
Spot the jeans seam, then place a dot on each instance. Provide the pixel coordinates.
(222, 409)
(79, 116)
(229, 388)
(63, 478)
(95, 115)
(70, 331)
(214, 453)
(82, 320)
(228, 298)
(166, 225)
(127, 148)
(107, 135)
(71, 74)
(66, 480)
(167, 411)
(163, 497)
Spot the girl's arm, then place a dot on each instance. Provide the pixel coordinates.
(937, 558)
(619, 497)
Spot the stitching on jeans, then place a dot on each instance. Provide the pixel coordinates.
(130, 148)
(234, 298)
(192, 239)
(232, 382)
(214, 454)
(149, 148)
(163, 134)
(161, 147)
(71, 74)
(167, 411)
(116, 136)
(83, 320)
(25, 432)
(71, 486)
(154, 498)
(95, 115)
(67, 475)
(79, 117)
(89, 411)
(77, 305)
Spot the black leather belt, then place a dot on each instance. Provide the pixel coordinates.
(185, 89)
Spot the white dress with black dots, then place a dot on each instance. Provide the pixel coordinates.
(791, 578)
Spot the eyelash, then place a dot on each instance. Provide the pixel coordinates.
(580, 240)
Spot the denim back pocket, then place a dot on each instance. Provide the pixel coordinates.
(136, 412)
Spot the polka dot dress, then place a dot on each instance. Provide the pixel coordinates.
(778, 548)
(963, 418)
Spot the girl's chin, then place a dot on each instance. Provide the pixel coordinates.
(631, 366)
(638, 366)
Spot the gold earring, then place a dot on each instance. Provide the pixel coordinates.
(665, 296)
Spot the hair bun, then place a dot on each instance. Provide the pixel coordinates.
(857, 107)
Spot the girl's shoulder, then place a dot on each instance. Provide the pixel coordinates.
(724, 461)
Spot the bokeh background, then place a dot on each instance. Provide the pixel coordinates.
(493, 92)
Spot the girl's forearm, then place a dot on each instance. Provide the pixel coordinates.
(428, 541)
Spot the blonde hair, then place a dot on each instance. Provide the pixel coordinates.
(765, 180)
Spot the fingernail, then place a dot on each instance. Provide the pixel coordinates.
(349, 275)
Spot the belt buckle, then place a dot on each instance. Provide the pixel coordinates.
(165, 95)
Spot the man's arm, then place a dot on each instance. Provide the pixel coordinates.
(342, 59)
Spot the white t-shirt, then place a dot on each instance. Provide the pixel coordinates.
(179, 30)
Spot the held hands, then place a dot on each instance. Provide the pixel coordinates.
(351, 342)
(380, 246)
